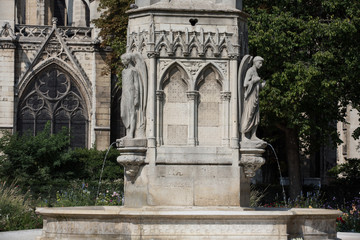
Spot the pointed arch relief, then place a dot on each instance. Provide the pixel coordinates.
(52, 95)
(209, 86)
(214, 67)
(169, 70)
(174, 108)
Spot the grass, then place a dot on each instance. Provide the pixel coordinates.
(16, 209)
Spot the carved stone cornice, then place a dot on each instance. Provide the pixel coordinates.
(192, 95)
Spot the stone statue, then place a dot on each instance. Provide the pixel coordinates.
(134, 95)
(251, 84)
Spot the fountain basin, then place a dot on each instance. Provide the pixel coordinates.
(117, 222)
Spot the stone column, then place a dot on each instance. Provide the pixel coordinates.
(151, 105)
(159, 130)
(225, 98)
(234, 103)
(192, 101)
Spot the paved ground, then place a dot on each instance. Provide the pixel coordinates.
(20, 235)
(32, 234)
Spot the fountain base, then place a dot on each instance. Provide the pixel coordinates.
(187, 223)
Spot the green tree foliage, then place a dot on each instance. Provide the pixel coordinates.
(36, 160)
(45, 163)
(113, 24)
(311, 54)
(347, 173)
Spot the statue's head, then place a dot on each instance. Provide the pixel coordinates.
(258, 61)
(126, 58)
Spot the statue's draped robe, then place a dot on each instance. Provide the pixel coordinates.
(130, 95)
(251, 115)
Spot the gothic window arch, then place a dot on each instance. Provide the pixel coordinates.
(52, 96)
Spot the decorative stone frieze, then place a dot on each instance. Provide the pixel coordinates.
(184, 43)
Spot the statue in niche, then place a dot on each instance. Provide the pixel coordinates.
(249, 87)
(134, 95)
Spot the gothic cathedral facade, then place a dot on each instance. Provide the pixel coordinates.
(52, 70)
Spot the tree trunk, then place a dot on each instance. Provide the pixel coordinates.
(293, 161)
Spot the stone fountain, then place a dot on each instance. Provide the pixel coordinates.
(190, 108)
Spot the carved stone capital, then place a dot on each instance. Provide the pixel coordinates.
(131, 159)
(160, 95)
(233, 56)
(152, 54)
(251, 160)
(225, 96)
(192, 95)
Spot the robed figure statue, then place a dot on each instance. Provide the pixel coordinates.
(134, 95)
(249, 87)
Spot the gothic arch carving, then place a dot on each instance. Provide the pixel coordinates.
(163, 41)
(200, 77)
(185, 76)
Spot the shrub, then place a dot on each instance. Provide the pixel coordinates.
(16, 211)
(45, 164)
(36, 161)
(92, 161)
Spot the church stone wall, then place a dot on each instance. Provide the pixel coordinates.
(7, 68)
(31, 46)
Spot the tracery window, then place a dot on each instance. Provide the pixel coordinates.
(53, 97)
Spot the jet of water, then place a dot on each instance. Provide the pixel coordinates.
(101, 173)
(281, 182)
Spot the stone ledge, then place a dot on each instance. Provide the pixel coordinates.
(187, 223)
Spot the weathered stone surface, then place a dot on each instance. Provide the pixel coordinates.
(196, 4)
(187, 223)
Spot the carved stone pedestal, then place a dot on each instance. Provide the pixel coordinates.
(132, 156)
(251, 156)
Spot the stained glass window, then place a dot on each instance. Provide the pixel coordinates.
(53, 97)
